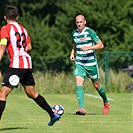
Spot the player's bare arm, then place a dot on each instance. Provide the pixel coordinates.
(72, 58)
(98, 45)
(28, 47)
(3, 43)
(2, 51)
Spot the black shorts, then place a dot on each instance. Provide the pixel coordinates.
(14, 76)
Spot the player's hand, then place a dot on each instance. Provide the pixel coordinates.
(72, 58)
(84, 48)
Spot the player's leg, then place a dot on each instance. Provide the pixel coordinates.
(80, 91)
(4, 92)
(79, 74)
(31, 93)
(28, 83)
(80, 95)
(9, 82)
(99, 88)
(102, 93)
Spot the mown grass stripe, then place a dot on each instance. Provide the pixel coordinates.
(90, 95)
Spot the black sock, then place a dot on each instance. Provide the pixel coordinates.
(43, 104)
(2, 107)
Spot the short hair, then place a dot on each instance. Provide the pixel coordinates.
(11, 12)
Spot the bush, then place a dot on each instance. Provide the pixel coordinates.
(62, 83)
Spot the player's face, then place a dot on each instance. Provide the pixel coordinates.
(80, 22)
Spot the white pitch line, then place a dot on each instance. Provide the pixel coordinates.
(90, 95)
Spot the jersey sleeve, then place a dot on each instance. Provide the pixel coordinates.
(4, 32)
(94, 36)
(28, 39)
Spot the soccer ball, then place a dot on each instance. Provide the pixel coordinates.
(58, 109)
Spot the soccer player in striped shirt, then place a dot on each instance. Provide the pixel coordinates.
(86, 42)
(16, 41)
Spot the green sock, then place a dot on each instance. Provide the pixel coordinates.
(102, 94)
(80, 96)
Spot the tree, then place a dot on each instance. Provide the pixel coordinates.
(50, 24)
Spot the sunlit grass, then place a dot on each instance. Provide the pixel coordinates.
(22, 115)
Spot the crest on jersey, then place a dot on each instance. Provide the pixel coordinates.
(85, 35)
(14, 80)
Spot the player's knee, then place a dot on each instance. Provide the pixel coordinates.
(79, 81)
(4, 92)
(97, 85)
(32, 95)
(0, 94)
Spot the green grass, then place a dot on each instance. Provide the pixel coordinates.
(22, 115)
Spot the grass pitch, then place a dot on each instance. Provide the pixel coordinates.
(22, 115)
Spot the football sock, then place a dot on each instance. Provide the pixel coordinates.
(43, 104)
(2, 107)
(102, 94)
(80, 96)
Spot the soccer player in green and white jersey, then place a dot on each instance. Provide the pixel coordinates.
(86, 42)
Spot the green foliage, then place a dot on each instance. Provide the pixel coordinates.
(62, 83)
(119, 81)
(50, 24)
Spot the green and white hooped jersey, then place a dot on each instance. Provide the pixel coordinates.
(86, 38)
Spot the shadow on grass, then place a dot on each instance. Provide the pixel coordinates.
(83, 115)
(12, 128)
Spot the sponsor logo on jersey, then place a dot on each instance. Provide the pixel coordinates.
(82, 39)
